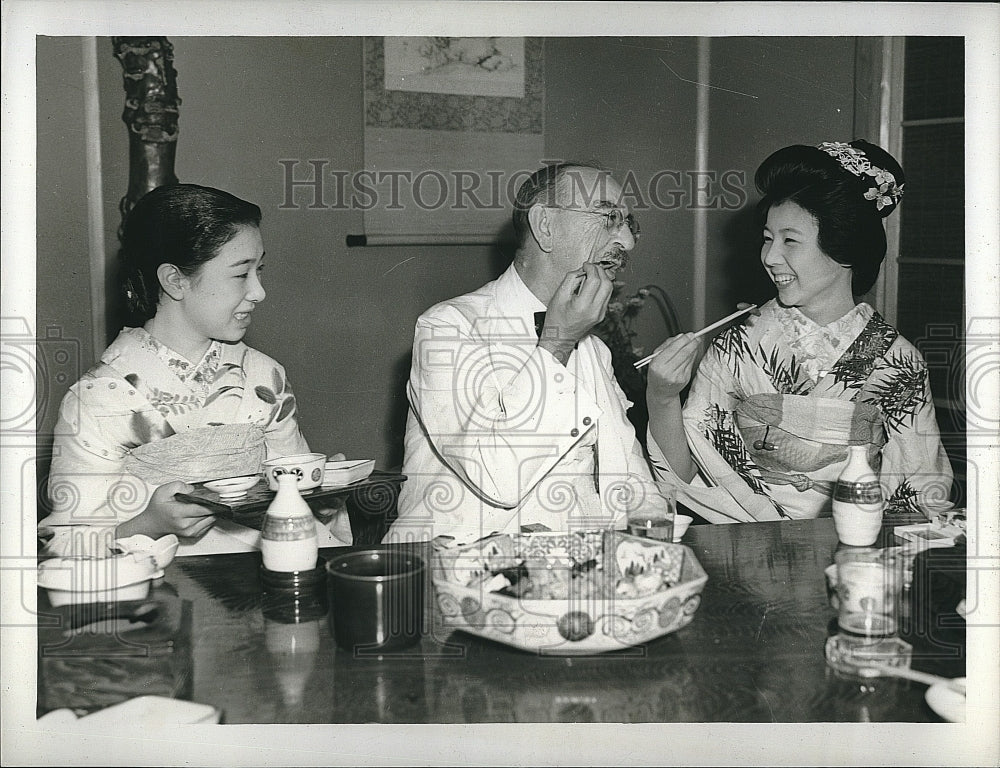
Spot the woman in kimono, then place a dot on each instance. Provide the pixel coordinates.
(775, 402)
(180, 398)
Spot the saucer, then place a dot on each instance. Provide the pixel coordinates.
(946, 702)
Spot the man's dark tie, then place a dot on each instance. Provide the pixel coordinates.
(539, 323)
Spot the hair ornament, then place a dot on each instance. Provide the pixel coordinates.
(885, 192)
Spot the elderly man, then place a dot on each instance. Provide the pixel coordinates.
(515, 416)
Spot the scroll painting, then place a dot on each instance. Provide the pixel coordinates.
(452, 128)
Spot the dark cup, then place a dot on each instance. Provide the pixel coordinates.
(377, 598)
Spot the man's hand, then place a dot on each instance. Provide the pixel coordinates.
(670, 370)
(580, 302)
(164, 514)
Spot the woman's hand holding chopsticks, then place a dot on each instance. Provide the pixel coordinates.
(671, 367)
(669, 372)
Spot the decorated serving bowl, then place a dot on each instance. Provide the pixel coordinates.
(567, 593)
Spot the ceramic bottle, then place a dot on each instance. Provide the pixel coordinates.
(288, 538)
(857, 500)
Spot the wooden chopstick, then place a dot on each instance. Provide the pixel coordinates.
(708, 329)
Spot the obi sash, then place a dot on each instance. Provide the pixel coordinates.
(200, 454)
(802, 440)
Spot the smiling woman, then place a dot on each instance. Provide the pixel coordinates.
(776, 402)
(179, 398)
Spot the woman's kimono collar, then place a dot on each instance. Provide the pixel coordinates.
(133, 344)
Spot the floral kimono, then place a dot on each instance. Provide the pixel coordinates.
(144, 416)
(774, 406)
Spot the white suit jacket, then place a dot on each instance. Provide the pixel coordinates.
(500, 434)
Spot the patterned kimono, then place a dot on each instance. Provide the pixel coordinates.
(144, 416)
(774, 406)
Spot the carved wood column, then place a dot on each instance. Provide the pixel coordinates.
(151, 114)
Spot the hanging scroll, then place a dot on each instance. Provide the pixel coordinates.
(452, 128)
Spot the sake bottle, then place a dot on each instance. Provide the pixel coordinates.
(857, 500)
(288, 538)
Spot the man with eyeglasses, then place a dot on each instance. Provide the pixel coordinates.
(516, 421)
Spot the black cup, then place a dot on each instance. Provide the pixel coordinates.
(377, 596)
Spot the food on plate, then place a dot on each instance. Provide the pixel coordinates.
(636, 570)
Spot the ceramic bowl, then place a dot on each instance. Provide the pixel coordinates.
(465, 583)
(347, 472)
(308, 467)
(233, 486)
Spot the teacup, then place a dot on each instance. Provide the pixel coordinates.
(308, 468)
(681, 523)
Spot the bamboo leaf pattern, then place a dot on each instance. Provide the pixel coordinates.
(788, 378)
(720, 432)
(734, 346)
(133, 379)
(265, 394)
(279, 385)
(903, 500)
(858, 361)
(901, 394)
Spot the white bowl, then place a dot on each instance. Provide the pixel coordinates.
(594, 624)
(75, 580)
(681, 523)
(347, 472)
(308, 467)
(233, 486)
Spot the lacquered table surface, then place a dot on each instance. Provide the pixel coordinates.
(753, 653)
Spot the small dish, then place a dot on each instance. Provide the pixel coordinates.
(930, 535)
(162, 550)
(946, 702)
(232, 487)
(347, 472)
(73, 580)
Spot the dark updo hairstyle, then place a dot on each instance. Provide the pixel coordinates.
(850, 225)
(181, 224)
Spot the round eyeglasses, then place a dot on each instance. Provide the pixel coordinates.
(613, 218)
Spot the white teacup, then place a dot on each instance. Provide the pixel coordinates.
(308, 467)
(681, 523)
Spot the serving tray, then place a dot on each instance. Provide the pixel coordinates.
(250, 509)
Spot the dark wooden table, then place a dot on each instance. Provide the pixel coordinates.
(754, 653)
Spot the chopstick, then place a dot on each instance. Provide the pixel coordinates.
(915, 675)
(708, 329)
